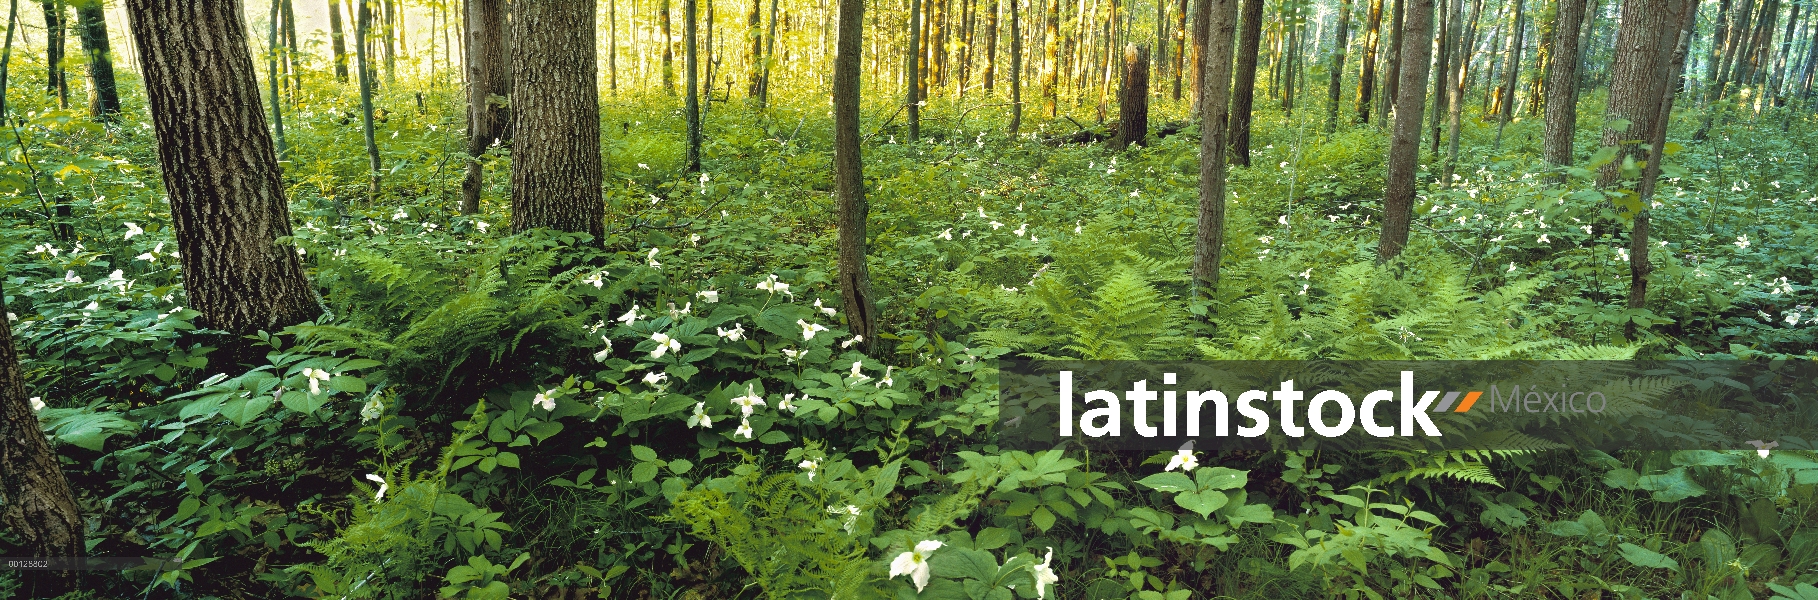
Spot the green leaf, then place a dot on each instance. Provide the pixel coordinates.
(542, 430)
(202, 407)
(348, 383)
(643, 472)
(1042, 518)
(1168, 481)
(1643, 557)
(1671, 486)
(680, 466)
(1221, 478)
(302, 402)
(243, 410)
(1201, 502)
(1252, 513)
(773, 437)
(508, 459)
(992, 538)
(956, 563)
(643, 453)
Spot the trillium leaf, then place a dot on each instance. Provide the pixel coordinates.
(1201, 502)
(1168, 481)
(243, 410)
(1643, 557)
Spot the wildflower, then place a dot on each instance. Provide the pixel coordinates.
(1076, 226)
(886, 381)
(655, 379)
(651, 258)
(596, 280)
(92, 307)
(1742, 241)
(824, 310)
(861, 377)
(700, 418)
(71, 277)
(664, 345)
(1511, 266)
(37, 403)
(809, 466)
(629, 316)
(747, 402)
(400, 215)
(1021, 229)
(46, 249)
(1135, 194)
(1184, 460)
(375, 478)
(1761, 447)
(373, 409)
(851, 512)
(744, 429)
(945, 234)
(809, 329)
(315, 377)
(995, 225)
(856, 339)
(790, 354)
(774, 287)
(644, 166)
(675, 313)
(981, 213)
(1307, 274)
(133, 229)
(708, 296)
(1792, 319)
(1543, 238)
(546, 398)
(965, 234)
(1044, 574)
(481, 225)
(732, 335)
(914, 563)
(787, 403)
(1282, 219)
(1586, 228)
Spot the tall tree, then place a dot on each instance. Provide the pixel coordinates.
(1511, 68)
(849, 174)
(1051, 77)
(277, 101)
(913, 70)
(1243, 90)
(1391, 81)
(769, 56)
(1215, 95)
(1404, 146)
(1683, 22)
(991, 44)
(91, 27)
(1334, 89)
(56, 22)
(1455, 89)
(1180, 46)
(555, 166)
(488, 64)
(337, 40)
(1016, 68)
(754, 33)
(220, 170)
(1562, 85)
(1366, 77)
(1133, 98)
(1633, 74)
(1448, 32)
(363, 64)
(1201, 29)
(36, 506)
(668, 49)
(691, 106)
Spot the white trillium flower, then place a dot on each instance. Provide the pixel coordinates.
(775, 287)
(316, 378)
(886, 381)
(747, 402)
(133, 229)
(744, 429)
(824, 310)
(851, 512)
(375, 478)
(790, 354)
(708, 296)
(71, 277)
(1044, 574)
(809, 329)
(1021, 230)
(914, 563)
(995, 225)
(945, 234)
(629, 316)
(700, 418)
(546, 399)
(654, 378)
(37, 403)
(861, 377)
(597, 280)
(677, 313)
(1184, 460)
(809, 466)
(665, 344)
(1742, 241)
(373, 409)
(651, 259)
(604, 353)
(787, 403)
(732, 335)
(856, 339)
(1543, 238)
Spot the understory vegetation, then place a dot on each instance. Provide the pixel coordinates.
(678, 410)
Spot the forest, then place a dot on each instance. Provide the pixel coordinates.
(686, 299)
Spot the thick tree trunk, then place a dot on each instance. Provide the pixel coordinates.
(991, 45)
(1639, 267)
(1180, 46)
(1511, 69)
(1366, 78)
(849, 176)
(555, 167)
(1051, 79)
(1404, 146)
(36, 506)
(1016, 68)
(1243, 89)
(337, 40)
(754, 32)
(1202, 17)
(1562, 85)
(1460, 77)
(1133, 98)
(103, 94)
(1633, 74)
(691, 105)
(913, 69)
(1215, 94)
(1334, 88)
(1391, 81)
(363, 63)
(488, 64)
(56, 22)
(226, 194)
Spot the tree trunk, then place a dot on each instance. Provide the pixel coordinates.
(555, 167)
(36, 506)
(691, 107)
(1391, 81)
(1404, 146)
(488, 64)
(1684, 22)
(991, 45)
(1511, 68)
(769, 57)
(1562, 86)
(849, 175)
(1180, 46)
(1786, 48)
(668, 49)
(1016, 68)
(1133, 98)
(1442, 67)
(362, 34)
(222, 176)
(277, 100)
(1334, 88)
(754, 31)
(612, 43)
(913, 69)
(1366, 78)
(1636, 68)
(1718, 38)
(1202, 17)
(1215, 94)
(1243, 89)
(1467, 46)
(1051, 79)
(290, 52)
(56, 22)
(337, 40)
(103, 95)
(387, 48)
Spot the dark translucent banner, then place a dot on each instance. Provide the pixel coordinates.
(1411, 405)
(86, 563)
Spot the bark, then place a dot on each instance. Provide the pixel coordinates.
(1051, 79)
(1202, 17)
(56, 22)
(220, 171)
(1391, 81)
(290, 53)
(1215, 93)
(1016, 68)
(668, 49)
(1632, 78)
(277, 100)
(1243, 89)
(1562, 86)
(612, 42)
(991, 45)
(849, 177)
(1811, 63)
(1404, 146)
(754, 30)
(1334, 88)
(362, 63)
(36, 506)
(1639, 267)
(1442, 67)
(337, 40)
(691, 107)
(1180, 46)
(1505, 102)
(769, 57)
(1786, 48)
(103, 94)
(1718, 39)
(914, 70)
(488, 64)
(1133, 98)
(555, 167)
(1366, 78)
(1467, 45)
